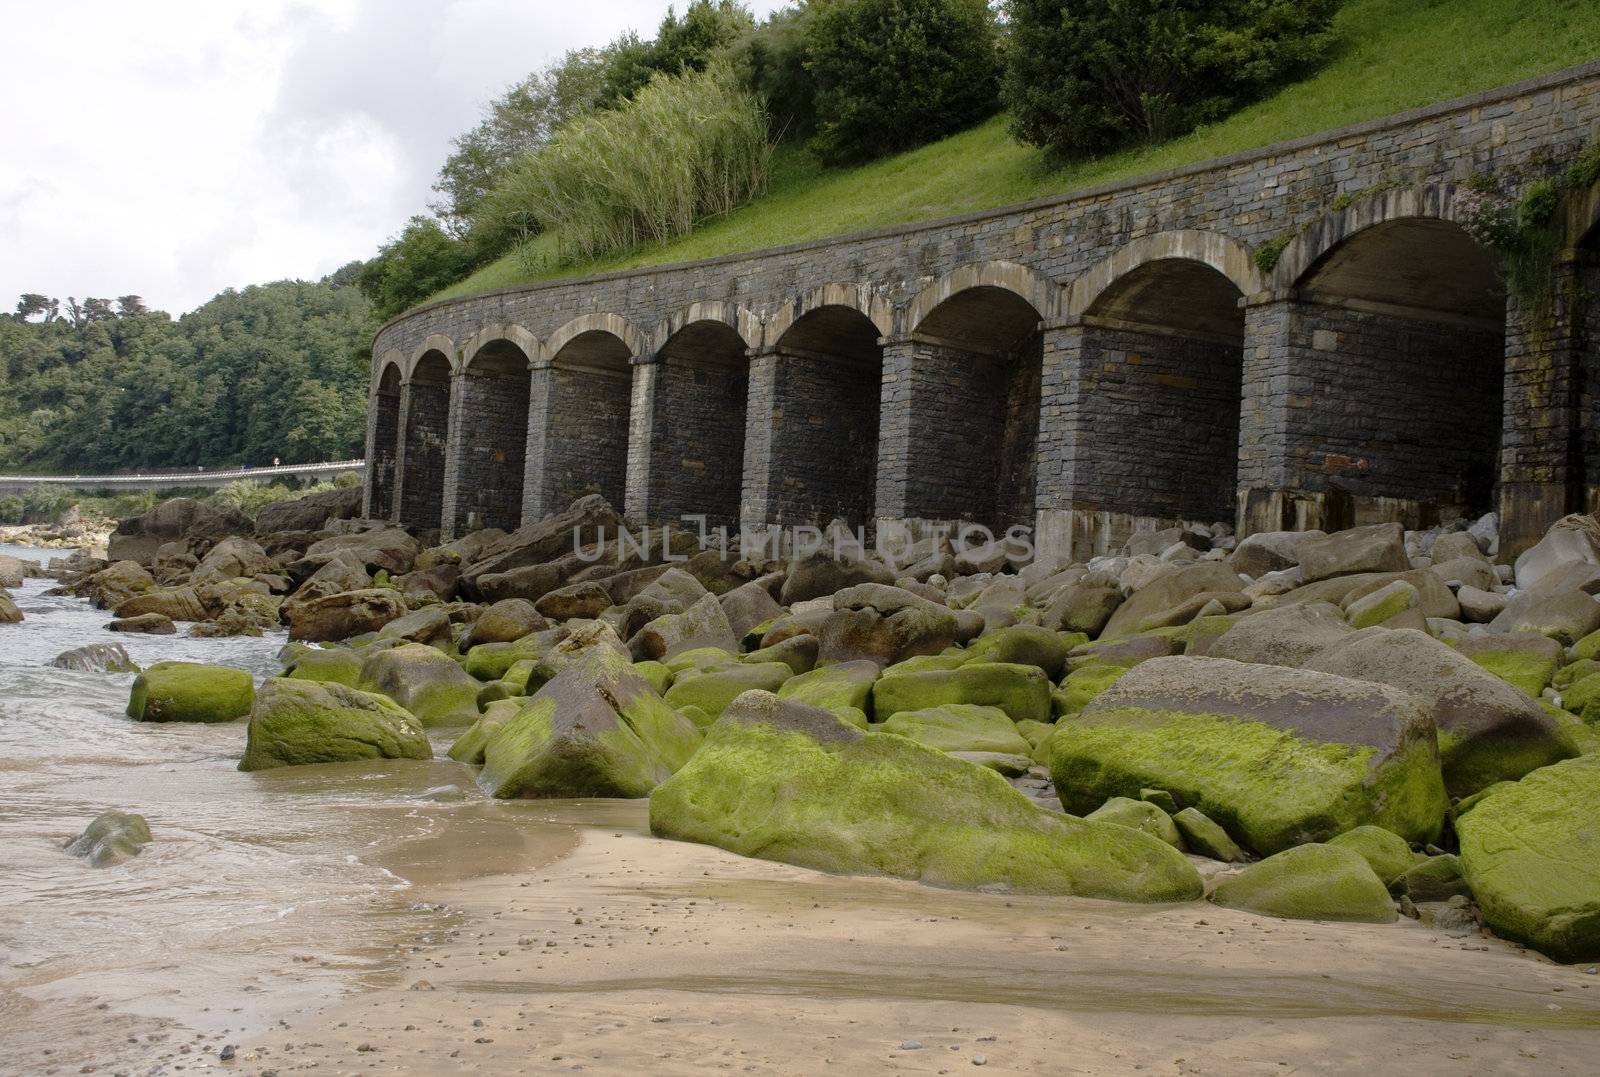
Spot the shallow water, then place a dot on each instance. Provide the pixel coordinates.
(260, 891)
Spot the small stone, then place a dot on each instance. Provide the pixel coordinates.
(980, 1060)
(366, 1048)
(911, 1045)
(228, 1052)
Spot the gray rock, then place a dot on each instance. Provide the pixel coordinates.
(1282, 637)
(1564, 615)
(112, 837)
(1375, 548)
(1480, 606)
(1571, 539)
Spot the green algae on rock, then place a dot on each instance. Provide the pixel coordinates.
(1023, 692)
(300, 722)
(1310, 882)
(432, 687)
(715, 689)
(111, 838)
(190, 692)
(959, 727)
(1384, 851)
(1139, 815)
(1530, 850)
(784, 781)
(340, 665)
(1278, 757)
(1083, 686)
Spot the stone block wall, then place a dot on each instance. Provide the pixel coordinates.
(697, 441)
(382, 461)
(577, 437)
(422, 470)
(492, 409)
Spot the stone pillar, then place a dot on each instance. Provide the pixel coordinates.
(453, 520)
(424, 422)
(379, 499)
(811, 438)
(641, 426)
(536, 502)
(372, 477)
(1358, 412)
(1549, 437)
(696, 445)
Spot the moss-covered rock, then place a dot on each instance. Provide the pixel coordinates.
(1023, 692)
(1027, 645)
(1278, 757)
(844, 690)
(1384, 851)
(1383, 605)
(656, 675)
(343, 615)
(430, 686)
(338, 665)
(1205, 838)
(1527, 662)
(712, 691)
(1082, 687)
(1488, 731)
(596, 729)
(1140, 815)
(959, 727)
(1126, 653)
(110, 838)
(1310, 882)
(469, 747)
(1281, 637)
(784, 781)
(190, 692)
(1530, 850)
(954, 658)
(701, 660)
(799, 653)
(299, 722)
(1434, 878)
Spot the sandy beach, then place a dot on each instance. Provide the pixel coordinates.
(633, 955)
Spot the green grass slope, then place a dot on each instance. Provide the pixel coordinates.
(1395, 55)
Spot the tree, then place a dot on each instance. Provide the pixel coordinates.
(707, 28)
(31, 304)
(771, 59)
(1091, 75)
(894, 74)
(413, 265)
(130, 304)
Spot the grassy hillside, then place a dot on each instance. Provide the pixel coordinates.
(1396, 55)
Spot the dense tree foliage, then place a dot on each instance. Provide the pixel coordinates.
(1089, 75)
(413, 265)
(894, 74)
(771, 59)
(275, 370)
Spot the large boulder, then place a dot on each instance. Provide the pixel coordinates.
(749, 605)
(96, 658)
(1022, 692)
(336, 665)
(1026, 645)
(311, 512)
(507, 621)
(844, 689)
(581, 601)
(1157, 600)
(1527, 661)
(1436, 599)
(1530, 850)
(174, 603)
(1278, 757)
(116, 583)
(597, 729)
(190, 692)
(1285, 636)
(1082, 607)
(1375, 548)
(233, 558)
(1567, 614)
(1571, 540)
(959, 727)
(296, 722)
(1488, 731)
(1310, 882)
(704, 696)
(139, 537)
(1270, 551)
(884, 624)
(433, 688)
(784, 781)
(703, 624)
(146, 624)
(586, 521)
(430, 624)
(826, 572)
(12, 571)
(343, 572)
(344, 615)
(9, 613)
(388, 550)
(111, 838)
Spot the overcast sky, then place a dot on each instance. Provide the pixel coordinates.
(174, 148)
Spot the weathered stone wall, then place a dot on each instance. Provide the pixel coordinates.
(383, 438)
(491, 411)
(697, 441)
(578, 437)
(1056, 255)
(422, 471)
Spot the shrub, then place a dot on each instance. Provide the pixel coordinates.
(895, 74)
(413, 265)
(43, 504)
(771, 59)
(249, 497)
(688, 147)
(1095, 74)
(11, 510)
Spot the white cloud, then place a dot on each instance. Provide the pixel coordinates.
(174, 149)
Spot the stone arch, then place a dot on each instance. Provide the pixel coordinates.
(1150, 377)
(864, 299)
(1221, 253)
(732, 315)
(383, 437)
(578, 414)
(961, 399)
(1399, 314)
(425, 419)
(993, 276)
(490, 448)
(436, 342)
(512, 334)
(614, 325)
(394, 359)
(700, 387)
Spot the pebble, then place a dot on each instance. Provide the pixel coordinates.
(228, 1052)
(980, 1060)
(911, 1045)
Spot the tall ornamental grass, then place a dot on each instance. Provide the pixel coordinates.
(686, 148)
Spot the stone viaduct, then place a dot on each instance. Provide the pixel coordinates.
(1090, 364)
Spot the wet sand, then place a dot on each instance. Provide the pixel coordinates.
(631, 955)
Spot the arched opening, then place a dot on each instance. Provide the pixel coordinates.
(826, 374)
(1159, 374)
(971, 373)
(697, 432)
(493, 445)
(427, 424)
(578, 444)
(1401, 328)
(383, 452)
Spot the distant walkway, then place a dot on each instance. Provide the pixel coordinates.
(197, 478)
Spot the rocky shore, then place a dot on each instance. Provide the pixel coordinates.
(1360, 727)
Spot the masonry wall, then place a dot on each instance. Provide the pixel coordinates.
(384, 457)
(1019, 439)
(493, 410)
(697, 441)
(578, 437)
(824, 418)
(427, 421)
